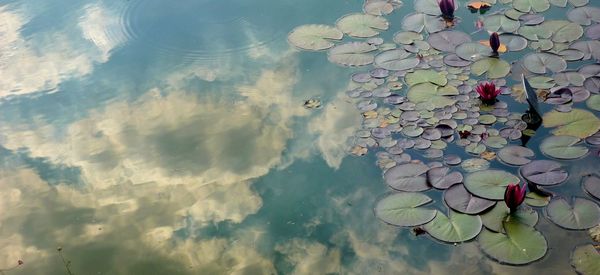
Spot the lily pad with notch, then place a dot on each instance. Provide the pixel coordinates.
(544, 172)
(520, 244)
(404, 209)
(314, 37)
(489, 184)
(459, 199)
(408, 177)
(578, 214)
(515, 155)
(563, 147)
(362, 25)
(352, 54)
(454, 228)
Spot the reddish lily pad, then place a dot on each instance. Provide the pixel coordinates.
(544, 172)
(459, 199)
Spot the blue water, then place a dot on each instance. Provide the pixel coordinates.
(169, 137)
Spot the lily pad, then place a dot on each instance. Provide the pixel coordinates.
(431, 94)
(407, 37)
(591, 184)
(430, 7)
(459, 199)
(590, 49)
(396, 60)
(584, 15)
(536, 200)
(541, 62)
(475, 164)
(494, 219)
(531, 5)
(403, 209)
(586, 259)
(579, 123)
(352, 54)
(513, 42)
(581, 214)
(416, 22)
(314, 37)
(424, 76)
(500, 23)
(594, 102)
(520, 245)
(407, 177)
(378, 7)
(447, 41)
(563, 147)
(567, 32)
(544, 172)
(489, 184)
(494, 67)
(440, 177)
(473, 51)
(362, 25)
(454, 229)
(515, 155)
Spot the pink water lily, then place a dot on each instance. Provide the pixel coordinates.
(514, 196)
(447, 8)
(487, 92)
(495, 42)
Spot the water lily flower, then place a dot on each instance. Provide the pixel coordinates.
(495, 42)
(447, 8)
(487, 92)
(514, 196)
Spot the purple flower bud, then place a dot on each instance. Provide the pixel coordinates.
(495, 42)
(514, 196)
(447, 8)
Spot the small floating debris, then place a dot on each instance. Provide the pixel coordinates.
(312, 103)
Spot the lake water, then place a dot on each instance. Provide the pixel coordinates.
(172, 137)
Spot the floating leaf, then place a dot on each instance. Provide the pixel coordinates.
(563, 147)
(403, 209)
(378, 7)
(455, 228)
(440, 178)
(500, 23)
(459, 199)
(489, 184)
(407, 37)
(593, 32)
(579, 123)
(424, 76)
(544, 172)
(475, 164)
(581, 214)
(584, 15)
(520, 245)
(430, 7)
(416, 22)
(314, 37)
(407, 177)
(352, 54)
(494, 67)
(531, 5)
(431, 94)
(569, 79)
(500, 214)
(594, 102)
(591, 184)
(536, 200)
(541, 62)
(515, 155)
(396, 60)
(447, 41)
(473, 51)
(513, 42)
(568, 32)
(590, 49)
(571, 55)
(586, 259)
(362, 25)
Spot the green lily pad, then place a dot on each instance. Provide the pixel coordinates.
(536, 200)
(403, 209)
(314, 37)
(425, 76)
(407, 37)
(568, 32)
(581, 214)
(520, 245)
(430, 7)
(473, 51)
(494, 67)
(569, 79)
(593, 102)
(541, 82)
(531, 5)
(494, 219)
(500, 23)
(586, 259)
(456, 228)
(541, 62)
(416, 22)
(475, 164)
(584, 15)
(362, 25)
(579, 123)
(396, 60)
(563, 147)
(378, 7)
(487, 119)
(407, 177)
(431, 94)
(496, 142)
(489, 184)
(515, 155)
(352, 54)
(475, 148)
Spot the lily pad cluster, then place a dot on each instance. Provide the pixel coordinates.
(416, 95)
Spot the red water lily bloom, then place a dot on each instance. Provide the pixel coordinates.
(514, 196)
(447, 8)
(495, 42)
(487, 92)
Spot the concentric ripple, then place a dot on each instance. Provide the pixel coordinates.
(201, 29)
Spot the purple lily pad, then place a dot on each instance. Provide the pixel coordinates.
(440, 178)
(395, 150)
(511, 133)
(593, 139)
(394, 99)
(515, 155)
(593, 32)
(580, 94)
(565, 108)
(361, 77)
(380, 132)
(407, 177)
(452, 159)
(379, 73)
(421, 143)
(592, 84)
(591, 184)
(531, 19)
(590, 70)
(432, 153)
(431, 134)
(459, 199)
(560, 96)
(382, 92)
(544, 172)
(367, 105)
